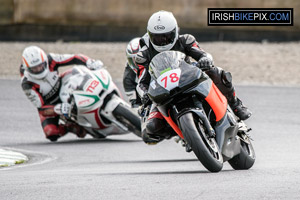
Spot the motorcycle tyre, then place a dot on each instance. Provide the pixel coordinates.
(244, 160)
(129, 116)
(193, 138)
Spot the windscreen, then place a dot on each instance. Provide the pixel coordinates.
(164, 62)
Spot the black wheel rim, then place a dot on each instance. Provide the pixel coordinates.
(210, 143)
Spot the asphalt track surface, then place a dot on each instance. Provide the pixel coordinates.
(123, 167)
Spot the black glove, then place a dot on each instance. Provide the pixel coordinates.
(145, 99)
(134, 103)
(143, 111)
(205, 63)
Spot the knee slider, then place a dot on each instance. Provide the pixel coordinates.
(227, 78)
(222, 79)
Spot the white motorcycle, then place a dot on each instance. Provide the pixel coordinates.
(96, 103)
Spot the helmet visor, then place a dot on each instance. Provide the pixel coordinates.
(162, 39)
(38, 68)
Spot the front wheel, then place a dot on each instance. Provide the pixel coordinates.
(128, 118)
(246, 158)
(204, 147)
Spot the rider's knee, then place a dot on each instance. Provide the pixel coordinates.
(222, 79)
(226, 79)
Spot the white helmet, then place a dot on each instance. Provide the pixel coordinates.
(163, 30)
(132, 49)
(35, 61)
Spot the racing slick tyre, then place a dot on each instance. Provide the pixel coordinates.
(128, 118)
(204, 147)
(246, 158)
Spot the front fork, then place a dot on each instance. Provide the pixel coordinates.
(197, 110)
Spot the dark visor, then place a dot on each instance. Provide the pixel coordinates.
(162, 39)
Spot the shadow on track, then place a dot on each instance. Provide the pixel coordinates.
(160, 173)
(80, 141)
(153, 161)
(204, 171)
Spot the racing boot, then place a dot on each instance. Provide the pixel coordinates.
(53, 132)
(76, 129)
(151, 139)
(238, 108)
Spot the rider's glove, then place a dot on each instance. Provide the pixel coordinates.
(143, 111)
(134, 103)
(205, 63)
(145, 99)
(62, 109)
(94, 64)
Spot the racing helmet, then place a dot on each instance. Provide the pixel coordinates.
(35, 61)
(162, 30)
(132, 49)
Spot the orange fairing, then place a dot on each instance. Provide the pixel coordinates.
(217, 102)
(173, 125)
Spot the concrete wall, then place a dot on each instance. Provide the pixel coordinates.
(190, 14)
(6, 12)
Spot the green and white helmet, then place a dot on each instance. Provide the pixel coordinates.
(132, 49)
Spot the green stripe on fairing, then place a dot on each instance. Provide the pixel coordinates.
(105, 86)
(96, 98)
(168, 69)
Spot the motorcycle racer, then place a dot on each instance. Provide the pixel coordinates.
(41, 84)
(162, 35)
(130, 76)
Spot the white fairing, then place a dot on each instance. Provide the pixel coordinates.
(89, 89)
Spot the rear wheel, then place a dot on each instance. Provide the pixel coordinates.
(204, 147)
(128, 118)
(246, 158)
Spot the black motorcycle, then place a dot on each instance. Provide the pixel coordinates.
(198, 112)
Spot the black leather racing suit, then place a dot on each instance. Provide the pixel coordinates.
(130, 80)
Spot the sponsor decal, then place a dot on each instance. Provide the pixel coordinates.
(92, 86)
(86, 101)
(155, 115)
(96, 99)
(35, 61)
(153, 85)
(53, 91)
(250, 17)
(159, 27)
